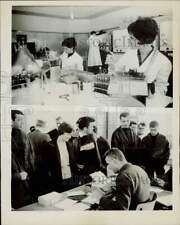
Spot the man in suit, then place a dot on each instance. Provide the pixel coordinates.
(20, 191)
(132, 184)
(156, 150)
(37, 143)
(125, 139)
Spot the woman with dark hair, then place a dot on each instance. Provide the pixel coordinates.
(62, 157)
(70, 59)
(143, 57)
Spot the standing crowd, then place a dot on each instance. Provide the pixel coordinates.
(64, 158)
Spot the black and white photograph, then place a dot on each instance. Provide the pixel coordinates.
(90, 112)
(91, 160)
(92, 55)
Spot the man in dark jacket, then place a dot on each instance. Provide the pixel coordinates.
(156, 150)
(90, 148)
(125, 139)
(132, 184)
(37, 143)
(20, 192)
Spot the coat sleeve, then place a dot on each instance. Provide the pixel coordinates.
(115, 140)
(162, 76)
(14, 170)
(166, 152)
(124, 191)
(122, 198)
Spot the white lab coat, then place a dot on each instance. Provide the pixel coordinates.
(74, 62)
(156, 68)
(94, 57)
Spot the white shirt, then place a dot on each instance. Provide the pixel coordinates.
(156, 68)
(64, 155)
(74, 62)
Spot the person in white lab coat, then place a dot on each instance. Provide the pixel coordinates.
(70, 59)
(145, 58)
(94, 57)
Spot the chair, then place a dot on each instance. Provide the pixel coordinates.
(149, 205)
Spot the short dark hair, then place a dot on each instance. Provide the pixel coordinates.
(84, 122)
(143, 124)
(69, 42)
(132, 123)
(14, 113)
(64, 128)
(144, 29)
(124, 114)
(93, 32)
(153, 124)
(32, 128)
(116, 154)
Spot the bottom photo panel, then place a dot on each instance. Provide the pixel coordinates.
(90, 159)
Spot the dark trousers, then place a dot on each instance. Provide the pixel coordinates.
(154, 165)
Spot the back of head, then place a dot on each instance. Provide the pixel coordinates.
(84, 122)
(153, 124)
(115, 153)
(64, 128)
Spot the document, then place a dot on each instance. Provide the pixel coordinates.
(94, 197)
(75, 193)
(65, 204)
(50, 198)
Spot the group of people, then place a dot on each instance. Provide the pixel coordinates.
(64, 158)
(142, 57)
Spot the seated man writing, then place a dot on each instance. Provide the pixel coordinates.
(132, 184)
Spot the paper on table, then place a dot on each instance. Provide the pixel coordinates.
(98, 176)
(94, 197)
(156, 189)
(50, 198)
(165, 200)
(74, 193)
(65, 204)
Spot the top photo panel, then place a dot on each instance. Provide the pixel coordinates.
(92, 56)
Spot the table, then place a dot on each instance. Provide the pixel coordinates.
(58, 93)
(37, 207)
(164, 199)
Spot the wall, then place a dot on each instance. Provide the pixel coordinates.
(47, 24)
(54, 40)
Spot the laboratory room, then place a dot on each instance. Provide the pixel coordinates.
(92, 56)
